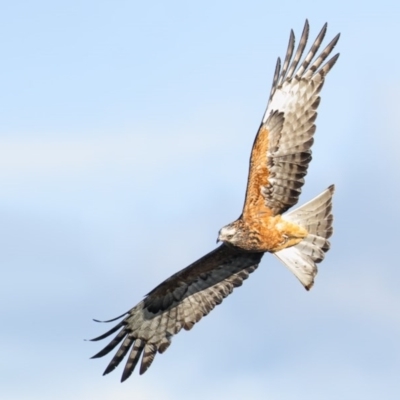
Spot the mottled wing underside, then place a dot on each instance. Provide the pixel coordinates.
(282, 148)
(179, 302)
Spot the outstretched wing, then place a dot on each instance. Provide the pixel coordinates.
(282, 148)
(179, 302)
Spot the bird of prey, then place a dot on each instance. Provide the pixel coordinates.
(279, 161)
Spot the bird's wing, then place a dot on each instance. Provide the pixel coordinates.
(282, 148)
(179, 302)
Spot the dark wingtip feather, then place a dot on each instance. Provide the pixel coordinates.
(312, 52)
(110, 367)
(289, 54)
(132, 359)
(111, 345)
(111, 320)
(274, 85)
(276, 75)
(119, 356)
(299, 51)
(108, 333)
(328, 65)
(334, 40)
(149, 354)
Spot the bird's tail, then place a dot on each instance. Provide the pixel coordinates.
(316, 217)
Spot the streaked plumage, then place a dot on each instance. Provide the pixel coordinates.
(278, 164)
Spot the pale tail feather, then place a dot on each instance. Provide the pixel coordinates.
(316, 217)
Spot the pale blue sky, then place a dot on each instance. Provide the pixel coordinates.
(124, 142)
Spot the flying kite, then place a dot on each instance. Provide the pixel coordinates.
(279, 161)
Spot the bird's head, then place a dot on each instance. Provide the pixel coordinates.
(230, 234)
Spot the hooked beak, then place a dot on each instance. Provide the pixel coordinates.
(218, 240)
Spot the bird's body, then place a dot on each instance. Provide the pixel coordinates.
(278, 164)
(264, 233)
